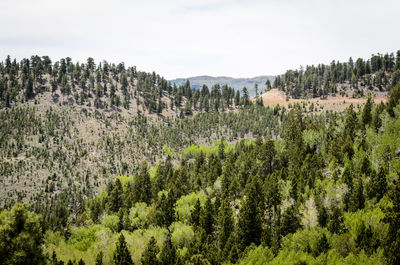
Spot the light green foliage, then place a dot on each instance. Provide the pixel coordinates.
(182, 234)
(370, 217)
(312, 137)
(83, 237)
(124, 180)
(294, 257)
(139, 214)
(305, 240)
(193, 150)
(309, 214)
(354, 259)
(111, 222)
(186, 203)
(257, 256)
(168, 151)
(334, 192)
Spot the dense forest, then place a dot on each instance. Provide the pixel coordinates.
(108, 165)
(380, 73)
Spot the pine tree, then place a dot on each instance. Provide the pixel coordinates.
(392, 242)
(168, 255)
(290, 221)
(149, 255)
(237, 98)
(393, 99)
(249, 224)
(366, 113)
(142, 185)
(121, 254)
(195, 214)
(358, 199)
(99, 258)
(226, 224)
(165, 213)
(207, 219)
(115, 198)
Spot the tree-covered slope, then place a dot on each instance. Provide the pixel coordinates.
(327, 192)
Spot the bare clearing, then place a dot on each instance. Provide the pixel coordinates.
(336, 103)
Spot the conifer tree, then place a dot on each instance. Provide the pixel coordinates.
(168, 255)
(195, 214)
(121, 254)
(99, 258)
(115, 198)
(207, 218)
(249, 223)
(226, 224)
(149, 255)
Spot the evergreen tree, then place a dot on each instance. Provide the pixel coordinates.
(115, 198)
(290, 221)
(149, 255)
(142, 185)
(237, 98)
(99, 258)
(121, 254)
(393, 99)
(207, 217)
(195, 214)
(392, 243)
(249, 223)
(165, 213)
(366, 113)
(168, 255)
(226, 224)
(21, 236)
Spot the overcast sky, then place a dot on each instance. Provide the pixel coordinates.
(178, 38)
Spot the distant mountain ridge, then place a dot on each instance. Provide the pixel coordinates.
(236, 83)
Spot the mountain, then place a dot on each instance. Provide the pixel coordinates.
(236, 83)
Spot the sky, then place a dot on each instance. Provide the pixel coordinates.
(183, 38)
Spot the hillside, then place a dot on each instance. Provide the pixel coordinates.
(236, 83)
(68, 125)
(113, 163)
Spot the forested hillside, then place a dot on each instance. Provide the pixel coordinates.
(68, 128)
(379, 73)
(116, 166)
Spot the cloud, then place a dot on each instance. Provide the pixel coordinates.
(180, 38)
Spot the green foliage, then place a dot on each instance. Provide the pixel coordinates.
(149, 255)
(21, 236)
(121, 254)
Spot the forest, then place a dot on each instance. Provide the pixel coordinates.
(104, 164)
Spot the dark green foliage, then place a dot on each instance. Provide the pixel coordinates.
(366, 117)
(393, 99)
(142, 185)
(121, 254)
(168, 255)
(378, 184)
(149, 255)
(250, 222)
(290, 221)
(21, 237)
(99, 258)
(322, 246)
(207, 217)
(115, 198)
(225, 223)
(195, 214)
(165, 214)
(392, 244)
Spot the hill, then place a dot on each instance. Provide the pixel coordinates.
(237, 83)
